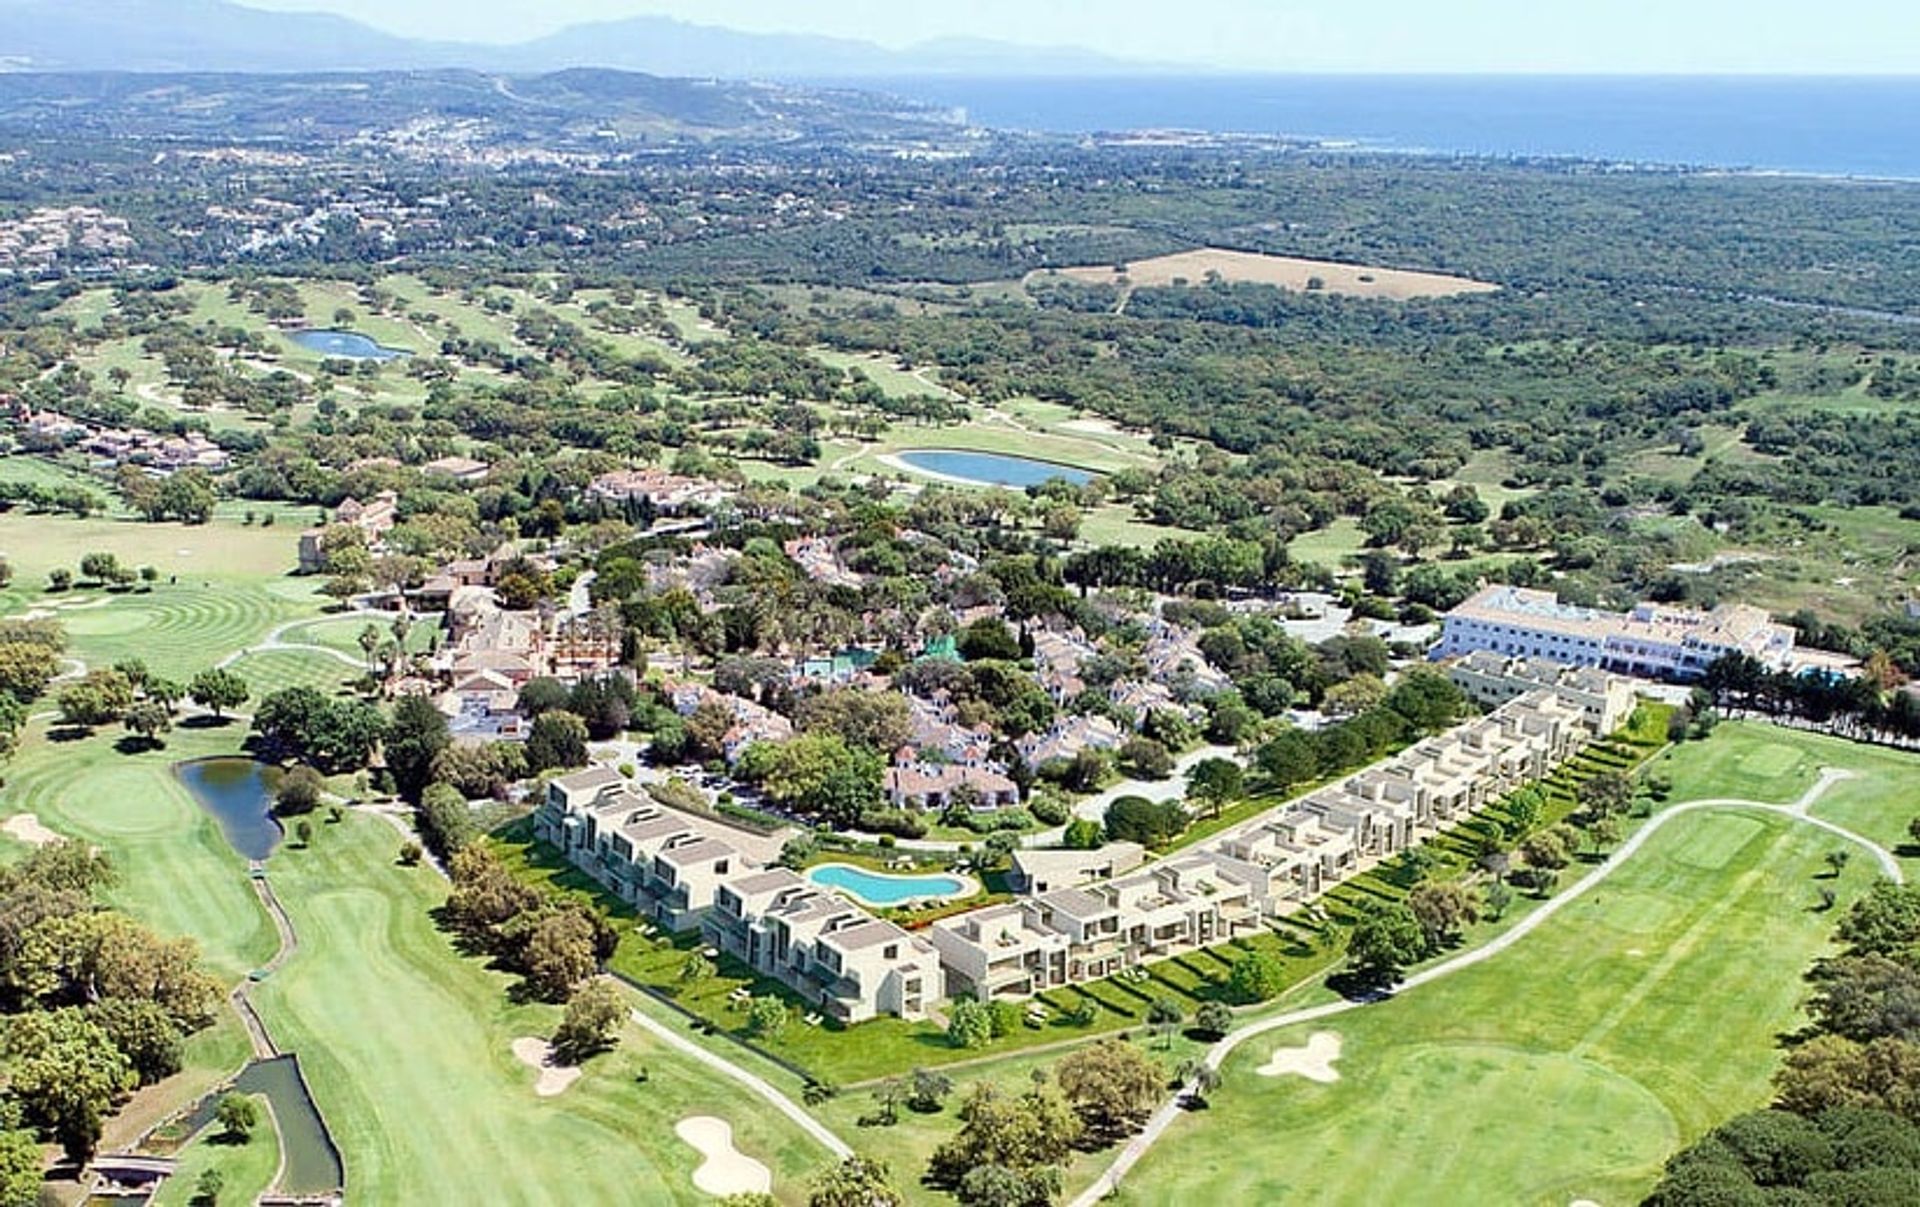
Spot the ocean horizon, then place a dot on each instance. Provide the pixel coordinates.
(1865, 126)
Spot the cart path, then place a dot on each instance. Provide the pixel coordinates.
(1170, 1110)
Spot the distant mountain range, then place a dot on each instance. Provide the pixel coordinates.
(216, 36)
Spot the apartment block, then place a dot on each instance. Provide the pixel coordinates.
(832, 953)
(1652, 641)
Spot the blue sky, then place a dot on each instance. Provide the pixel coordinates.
(1777, 36)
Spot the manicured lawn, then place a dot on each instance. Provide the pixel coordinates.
(406, 1044)
(268, 671)
(176, 871)
(1639, 1017)
(1570, 1068)
(221, 586)
(247, 1167)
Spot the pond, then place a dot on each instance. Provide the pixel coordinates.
(345, 345)
(878, 888)
(991, 469)
(239, 794)
(311, 1163)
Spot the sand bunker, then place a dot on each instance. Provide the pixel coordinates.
(537, 1054)
(1313, 1061)
(27, 828)
(724, 1169)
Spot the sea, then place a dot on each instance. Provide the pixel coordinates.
(1867, 126)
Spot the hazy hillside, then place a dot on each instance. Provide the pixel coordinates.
(216, 36)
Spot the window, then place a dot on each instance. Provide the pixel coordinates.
(891, 951)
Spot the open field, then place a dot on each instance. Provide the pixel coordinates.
(1288, 272)
(1572, 1067)
(407, 1045)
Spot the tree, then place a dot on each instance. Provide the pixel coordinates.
(855, 1182)
(207, 1187)
(1886, 921)
(766, 1017)
(1147, 759)
(26, 667)
(1112, 1084)
(1606, 794)
(218, 691)
(66, 1075)
(696, 968)
(969, 1024)
(1289, 759)
(592, 1020)
(416, 735)
(556, 739)
(304, 832)
(1215, 782)
(1083, 834)
(1150, 823)
(99, 697)
(1385, 939)
(1836, 861)
(144, 1031)
(1547, 849)
(876, 721)
(1213, 1018)
(149, 719)
(20, 1168)
(300, 790)
(1441, 909)
(1036, 1129)
(445, 819)
(559, 952)
(237, 1116)
(1254, 977)
(928, 1090)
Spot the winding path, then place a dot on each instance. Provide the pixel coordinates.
(1171, 1109)
(263, 1046)
(275, 641)
(727, 1068)
(752, 1081)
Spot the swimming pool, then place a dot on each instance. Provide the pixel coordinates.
(878, 888)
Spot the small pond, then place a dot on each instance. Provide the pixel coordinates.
(992, 469)
(345, 345)
(878, 888)
(311, 1162)
(239, 794)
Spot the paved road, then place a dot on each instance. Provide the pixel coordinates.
(1171, 1109)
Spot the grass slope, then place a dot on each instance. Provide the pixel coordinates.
(1638, 1018)
(406, 1044)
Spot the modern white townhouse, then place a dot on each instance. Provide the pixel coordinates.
(1491, 679)
(664, 862)
(832, 953)
(686, 872)
(1070, 934)
(1652, 641)
(1081, 915)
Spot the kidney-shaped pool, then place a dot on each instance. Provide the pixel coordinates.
(879, 888)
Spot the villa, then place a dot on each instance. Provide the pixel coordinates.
(930, 787)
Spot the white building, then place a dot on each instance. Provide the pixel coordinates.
(1652, 641)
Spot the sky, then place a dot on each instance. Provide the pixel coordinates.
(1701, 36)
